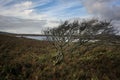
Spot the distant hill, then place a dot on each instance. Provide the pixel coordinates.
(1, 32)
(16, 34)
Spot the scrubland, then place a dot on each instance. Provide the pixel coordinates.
(27, 59)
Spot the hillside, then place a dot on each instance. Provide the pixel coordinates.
(27, 59)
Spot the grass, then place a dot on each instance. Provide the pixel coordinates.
(25, 59)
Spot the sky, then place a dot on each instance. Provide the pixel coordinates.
(33, 16)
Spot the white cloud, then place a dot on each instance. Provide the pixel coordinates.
(103, 8)
(15, 9)
(23, 5)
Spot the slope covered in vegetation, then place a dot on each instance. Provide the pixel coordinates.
(25, 59)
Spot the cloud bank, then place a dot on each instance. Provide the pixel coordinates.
(107, 9)
(16, 25)
(31, 16)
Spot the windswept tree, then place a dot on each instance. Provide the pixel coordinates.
(77, 33)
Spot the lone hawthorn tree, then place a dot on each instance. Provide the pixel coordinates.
(61, 37)
(66, 33)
